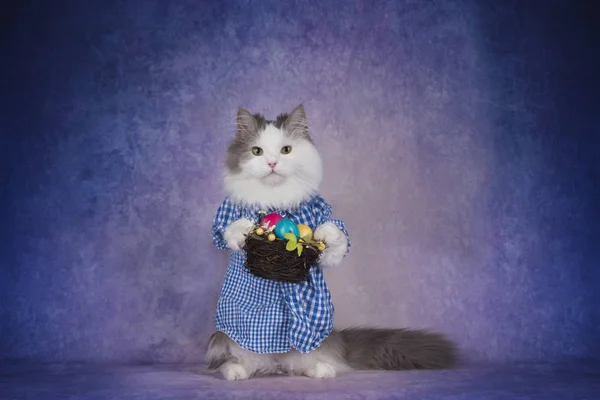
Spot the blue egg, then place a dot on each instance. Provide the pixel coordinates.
(284, 226)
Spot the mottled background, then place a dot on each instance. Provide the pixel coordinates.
(460, 141)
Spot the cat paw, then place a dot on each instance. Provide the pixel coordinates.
(336, 242)
(235, 234)
(234, 371)
(321, 371)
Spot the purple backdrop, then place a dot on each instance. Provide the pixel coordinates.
(459, 150)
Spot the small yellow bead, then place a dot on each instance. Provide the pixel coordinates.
(260, 231)
(271, 237)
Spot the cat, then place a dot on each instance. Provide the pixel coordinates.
(275, 164)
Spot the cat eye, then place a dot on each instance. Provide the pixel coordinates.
(286, 149)
(257, 151)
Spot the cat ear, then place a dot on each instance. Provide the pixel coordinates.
(246, 123)
(296, 123)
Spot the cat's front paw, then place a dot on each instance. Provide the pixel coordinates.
(235, 234)
(336, 242)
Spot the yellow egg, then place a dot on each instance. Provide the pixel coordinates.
(271, 237)
(260, 231)
(305, 231)
(321, 246)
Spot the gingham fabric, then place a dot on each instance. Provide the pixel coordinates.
(265, 316)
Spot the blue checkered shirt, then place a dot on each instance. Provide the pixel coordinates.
(265, 316)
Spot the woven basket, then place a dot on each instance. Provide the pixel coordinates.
(271, 260)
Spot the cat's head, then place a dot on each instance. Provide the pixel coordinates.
(272, 163)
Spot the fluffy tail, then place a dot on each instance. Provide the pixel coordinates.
(395, 349)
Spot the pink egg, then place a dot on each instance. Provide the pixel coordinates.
(270, 220)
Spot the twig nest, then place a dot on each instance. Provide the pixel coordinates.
(282, 252)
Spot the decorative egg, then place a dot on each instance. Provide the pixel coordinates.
(270, 220)
(305, 231)
(260, 231)
(271, 237)
(286, 226)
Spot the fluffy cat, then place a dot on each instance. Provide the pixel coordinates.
(276, 164)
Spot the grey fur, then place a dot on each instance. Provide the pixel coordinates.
(295, 124)
(365, 349)
(393, 349)
(218, 352)
(249, 127)
(248, 130)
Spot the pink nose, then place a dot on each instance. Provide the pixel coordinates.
(272, 164)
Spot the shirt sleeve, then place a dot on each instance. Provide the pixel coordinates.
(323, 213)
(226, 214)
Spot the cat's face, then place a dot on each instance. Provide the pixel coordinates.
(272, 163)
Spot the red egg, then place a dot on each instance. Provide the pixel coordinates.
(270, 220)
